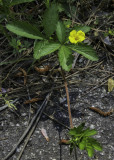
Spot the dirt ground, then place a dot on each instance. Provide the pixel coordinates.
(87, 85)
(86, 89)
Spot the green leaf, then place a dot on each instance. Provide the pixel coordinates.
(85, 50)
(65, 58)
(80, 127)
(15, 2)
(90, 132)
(95, 143)
(60, 31)
(97, 146)
(5, 3)
(82, 144)
(77, 131)
(50, 20)
(85, 29)
(60, 7)
(24, 29)
(74, 132)
(90, 151)
(43, 48)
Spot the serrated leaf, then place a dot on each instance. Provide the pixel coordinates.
(60, 7)
(50, 20)
(15, 2)
(60, 31)
(110, 84)
(95, 143)
(43, 48)
(82, 144)
(77, 131)
(24, 29)
(85, 50)
(85, 29)
(73, 132)
(80, 127)
(65, 58)
(97, 146)
(91, 140)
(90, 132)
(90, 151)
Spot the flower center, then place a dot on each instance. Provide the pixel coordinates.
(76, 38)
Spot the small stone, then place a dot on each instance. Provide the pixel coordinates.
(17, 125)
(92, 126)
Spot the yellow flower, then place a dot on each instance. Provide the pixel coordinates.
(76, 36)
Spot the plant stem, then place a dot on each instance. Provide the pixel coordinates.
(75, 150)
(68, 99)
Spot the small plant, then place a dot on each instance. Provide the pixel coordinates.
(55, 37)
(18, 46)
(8, 102)
(81, 138)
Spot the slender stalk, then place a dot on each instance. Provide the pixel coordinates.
(68, 99)
(75, 150)
(69, 110)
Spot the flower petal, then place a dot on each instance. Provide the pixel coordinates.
(76, 37)
(73, 33)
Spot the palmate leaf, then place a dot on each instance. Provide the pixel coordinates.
(50, 19)
(43, 48)
(85, 50)
(76, 131)
(24, 29)
(60, 31)
(15, 2)
(65, 58)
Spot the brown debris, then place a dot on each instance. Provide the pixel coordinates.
(105, 114)
(33, 100)
(44, 133)
(42, 70)
(24, 74)
(19, 74)
(64, 141)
